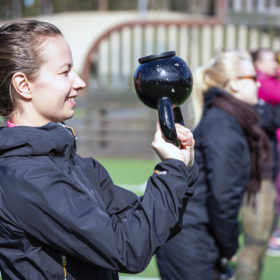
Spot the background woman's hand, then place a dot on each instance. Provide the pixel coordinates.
(167, 150)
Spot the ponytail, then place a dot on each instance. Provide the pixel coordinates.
(197, 97)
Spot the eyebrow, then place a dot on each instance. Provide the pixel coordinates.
(68, 65)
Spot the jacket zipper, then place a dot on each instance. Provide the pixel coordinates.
(64, 263)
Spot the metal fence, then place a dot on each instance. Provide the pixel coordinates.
(114, 57)
(253, 6)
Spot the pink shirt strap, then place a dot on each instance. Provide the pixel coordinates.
(10, 124)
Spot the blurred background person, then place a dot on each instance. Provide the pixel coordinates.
(268, 71)
(231, 150)
(257, 219)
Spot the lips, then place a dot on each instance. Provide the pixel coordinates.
(71, 99)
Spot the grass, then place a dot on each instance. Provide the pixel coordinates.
(127, 172)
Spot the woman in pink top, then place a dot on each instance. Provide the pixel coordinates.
(268, 71)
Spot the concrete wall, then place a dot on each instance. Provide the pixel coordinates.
(82, 28)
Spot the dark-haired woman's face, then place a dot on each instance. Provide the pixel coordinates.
(267, 63)
(55, 88)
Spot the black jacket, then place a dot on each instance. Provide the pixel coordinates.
(270, 122)
(53, 203)
(210, 229)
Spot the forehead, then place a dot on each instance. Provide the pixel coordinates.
(267, 55)
(55, 49)
(246, 68)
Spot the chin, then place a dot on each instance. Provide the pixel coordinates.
(254, 102)
(68, 117)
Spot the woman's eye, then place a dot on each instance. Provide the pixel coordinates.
(65, 71)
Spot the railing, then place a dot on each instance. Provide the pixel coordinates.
(253, 6)
(113, 58)
(254, 12)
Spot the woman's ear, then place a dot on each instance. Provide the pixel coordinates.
(21, 85)
(233, 86)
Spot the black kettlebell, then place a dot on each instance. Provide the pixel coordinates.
(164, 81)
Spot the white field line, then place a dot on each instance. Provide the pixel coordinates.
(135, 188)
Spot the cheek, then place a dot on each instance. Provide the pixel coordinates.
(63, 85)
(255, 89)
(254, 95)
(249, 94)
(52, 89)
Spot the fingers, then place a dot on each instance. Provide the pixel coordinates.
(187, 142)
(158, 138)
(191, 160)
(185, 136)
(167, 150)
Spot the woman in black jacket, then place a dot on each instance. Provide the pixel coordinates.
(61, 216)
(230, 150)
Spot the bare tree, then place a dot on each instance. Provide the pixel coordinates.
(46, 6)
(17, 8)
(11, 9)
(203, 7)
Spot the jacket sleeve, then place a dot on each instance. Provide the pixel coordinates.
(117, 235)
(269, 117)
(227, 173)
(276, 116)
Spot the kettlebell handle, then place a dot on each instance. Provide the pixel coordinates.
(178, 117)
(167, 118)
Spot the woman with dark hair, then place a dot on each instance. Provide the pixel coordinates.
(268, 70)
(61, 216)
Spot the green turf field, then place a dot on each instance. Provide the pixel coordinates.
(133, 174)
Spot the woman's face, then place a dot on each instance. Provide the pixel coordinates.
(56, 86)
(246, 87)
(267, 63)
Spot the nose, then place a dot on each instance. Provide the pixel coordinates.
(78, 83)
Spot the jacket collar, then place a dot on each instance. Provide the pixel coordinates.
(50, 139)
(211, 94)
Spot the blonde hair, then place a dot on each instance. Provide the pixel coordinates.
(222, 68)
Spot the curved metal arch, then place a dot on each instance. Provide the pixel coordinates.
(142, 23)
